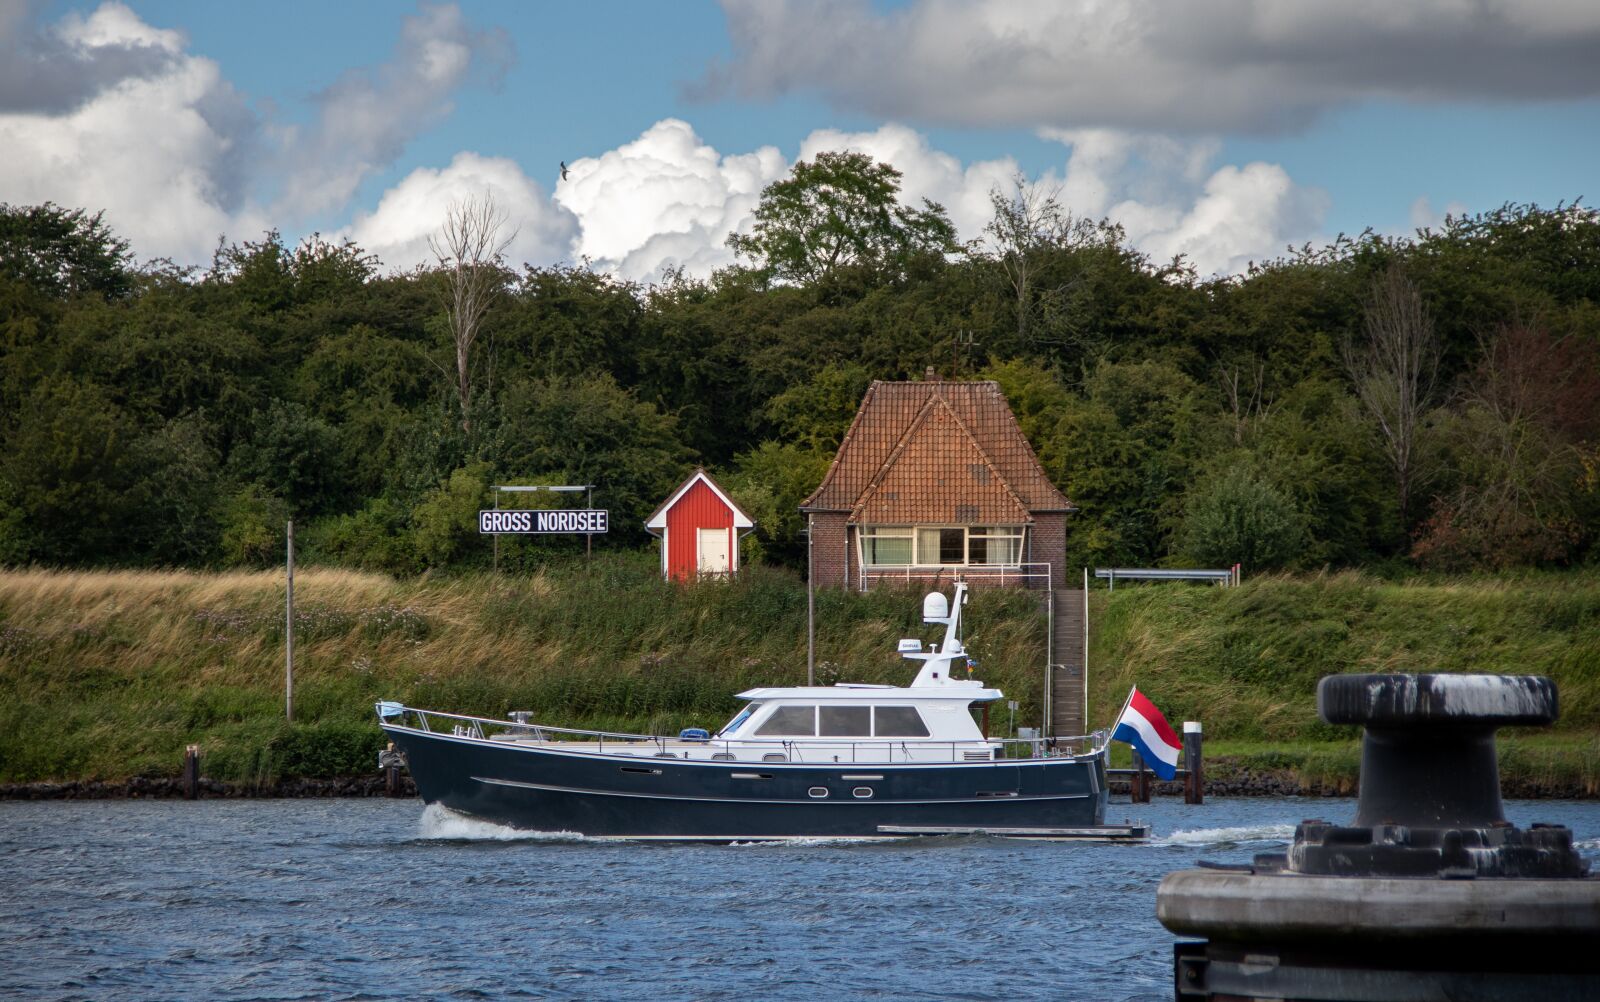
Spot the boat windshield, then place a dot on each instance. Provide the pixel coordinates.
(738, 721)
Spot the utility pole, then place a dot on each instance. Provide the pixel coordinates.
(288, 634)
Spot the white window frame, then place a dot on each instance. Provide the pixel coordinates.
(914, 534)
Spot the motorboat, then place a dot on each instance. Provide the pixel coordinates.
(841, 761)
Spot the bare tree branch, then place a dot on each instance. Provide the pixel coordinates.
(470, 249)
(1394, 369)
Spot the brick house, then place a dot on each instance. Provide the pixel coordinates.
(932, 480)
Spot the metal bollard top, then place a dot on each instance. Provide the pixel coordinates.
(1484, 700)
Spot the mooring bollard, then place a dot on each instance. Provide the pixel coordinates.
(1139, 784)
(191, 772)
(1429, 894)
(1194, 788)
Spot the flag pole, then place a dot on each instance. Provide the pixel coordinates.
(1125, 704)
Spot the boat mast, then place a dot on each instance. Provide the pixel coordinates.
(936, 664)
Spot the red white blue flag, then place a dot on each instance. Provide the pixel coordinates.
(1143, 726)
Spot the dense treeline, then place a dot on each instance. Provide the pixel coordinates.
(1433, 400)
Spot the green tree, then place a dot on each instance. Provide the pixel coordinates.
(1125, 454)
(63, 252)
(66, 474)
(174, 497)
(589, 430)
(769, 482)
(1239, 517)
(816, 414)
(838, 211)
(293, 454)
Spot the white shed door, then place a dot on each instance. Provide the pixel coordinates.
(713, 551)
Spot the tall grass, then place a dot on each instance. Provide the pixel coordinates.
(108, 675)
(1245, 661)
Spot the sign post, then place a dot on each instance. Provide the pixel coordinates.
(586, 521)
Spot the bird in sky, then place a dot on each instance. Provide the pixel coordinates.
(563, 170)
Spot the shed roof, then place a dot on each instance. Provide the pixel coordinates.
(658, 519)
(917, 451)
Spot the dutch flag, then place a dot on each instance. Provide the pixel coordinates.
(1143, 726)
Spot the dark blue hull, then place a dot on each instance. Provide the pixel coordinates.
(542, 789)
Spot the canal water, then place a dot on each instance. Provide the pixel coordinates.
(376, 899)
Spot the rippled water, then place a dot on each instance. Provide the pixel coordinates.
(376, 899)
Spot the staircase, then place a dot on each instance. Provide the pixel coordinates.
(1066, 672)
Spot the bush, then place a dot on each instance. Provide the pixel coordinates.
(253, 522)
(1241, 518)
(446, 522)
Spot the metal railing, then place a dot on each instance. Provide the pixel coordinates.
(938, 574)
(827, 750)
(1228, 576)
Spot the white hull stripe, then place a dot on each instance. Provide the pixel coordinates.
(753, 802)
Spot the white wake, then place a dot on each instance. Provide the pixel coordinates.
(439, 822)
(1228, 836)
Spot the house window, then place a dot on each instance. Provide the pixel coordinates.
(886, 545)
(994, 545)
(940, 546)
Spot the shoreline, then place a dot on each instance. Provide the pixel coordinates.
(1239, 783)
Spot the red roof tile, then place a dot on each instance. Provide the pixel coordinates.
(917, 451)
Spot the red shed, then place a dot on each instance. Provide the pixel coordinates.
(699, 526)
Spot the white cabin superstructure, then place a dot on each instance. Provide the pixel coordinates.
(928, 720)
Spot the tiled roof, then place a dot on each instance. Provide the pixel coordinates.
(908, 437)
(937, 473)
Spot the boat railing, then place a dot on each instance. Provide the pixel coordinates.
(822, 748)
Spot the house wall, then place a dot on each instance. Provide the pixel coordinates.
(699, 508)
(1049, 545)
(832, 562)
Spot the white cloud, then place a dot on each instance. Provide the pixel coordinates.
(176, 158)
(366, 118)
(158, 138)
(665, 200)
(1172, 200)
(158, 153)
(1154, 65)
(398, 229)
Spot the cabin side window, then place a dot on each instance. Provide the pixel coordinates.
(845, 721)
(790, 722)
(898, 722)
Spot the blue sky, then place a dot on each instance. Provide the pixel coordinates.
(1223, 137)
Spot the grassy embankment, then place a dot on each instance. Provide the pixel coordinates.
(109, 675)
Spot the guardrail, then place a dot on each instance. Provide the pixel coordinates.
(1032, 575)
(488, 729)
(1227, 576)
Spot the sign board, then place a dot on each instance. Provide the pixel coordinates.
(523, 522)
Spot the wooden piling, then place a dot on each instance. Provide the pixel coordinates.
(391, 775)
(1194, 784)
(191, 772)
(1139, 785)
